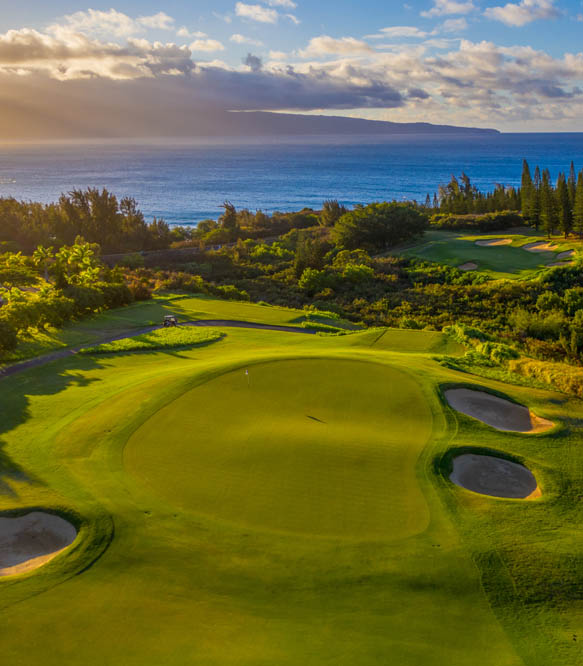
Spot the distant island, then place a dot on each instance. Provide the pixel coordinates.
(114, 121)
(263, 123)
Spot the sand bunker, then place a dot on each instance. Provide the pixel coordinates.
(27, 542)
(494, 242)
(469, 266)
(496, 412)
(493, 476)
(542, 246)
(562, 256)
(560, 263)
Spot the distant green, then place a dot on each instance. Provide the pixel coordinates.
(504, 261)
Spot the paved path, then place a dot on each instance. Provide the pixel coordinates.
(64, 353)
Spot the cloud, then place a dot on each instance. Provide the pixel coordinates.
(454, 25)
(445, 7)
(254, 63)
(256, 13)
(477, 83)
(293, 18)
(159, 21)
(525, 12)
(399, 31)
(241, 39)
(289, 4)
(185, 32)
(325, 46)
(208, 45)
(111, 23)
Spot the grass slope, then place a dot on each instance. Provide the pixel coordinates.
(246, 533)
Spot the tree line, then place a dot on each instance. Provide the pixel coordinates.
(95, 215)
(552, 207)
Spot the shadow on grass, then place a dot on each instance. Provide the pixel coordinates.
(15, 395)
(172, 351)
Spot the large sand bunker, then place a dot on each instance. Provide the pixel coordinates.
(27, 542)
(489, 475)
(541, 246)
(469, 266)
(494, 242)
(496, 412)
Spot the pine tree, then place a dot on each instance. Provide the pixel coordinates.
(548, 212)
(563, 203)
(534, 206)
(578, 206)
(572, 185)
(526, 187)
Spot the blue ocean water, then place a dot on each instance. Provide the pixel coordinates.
(184, 183)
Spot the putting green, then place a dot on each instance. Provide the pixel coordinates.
(298, 449)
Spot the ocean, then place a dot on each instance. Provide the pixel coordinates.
(185, 182)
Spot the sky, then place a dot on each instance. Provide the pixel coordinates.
(147, 67)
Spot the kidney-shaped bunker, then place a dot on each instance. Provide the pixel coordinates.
(496, 412)
(27, 542)
(497, 477)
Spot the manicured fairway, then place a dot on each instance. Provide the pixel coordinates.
(301, 514)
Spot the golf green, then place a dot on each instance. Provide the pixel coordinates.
(291, 446)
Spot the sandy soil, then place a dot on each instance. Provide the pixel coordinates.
(541, 246)
(469, 266)
(493, 476)
(496, 412)
(27, 542)
(494, 242)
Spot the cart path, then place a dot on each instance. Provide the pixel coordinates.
(64, 353)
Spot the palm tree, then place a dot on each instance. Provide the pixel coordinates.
(41, 257)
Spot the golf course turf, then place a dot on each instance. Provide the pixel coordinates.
(513, 257)
(274, 498)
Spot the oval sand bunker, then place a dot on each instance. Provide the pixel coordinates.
(494, 242)
(469, 266)
(489, 475)
(27, 542)
(496, 412)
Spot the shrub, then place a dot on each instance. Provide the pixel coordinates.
(549, 301)
(409, 322)
(573, 300)
(379, 226)
(231, 293)
(8, 339)
(314, 280)
(135, 260)
(357, 273)
(485, 222)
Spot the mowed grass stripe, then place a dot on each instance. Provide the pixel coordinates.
(293, 447)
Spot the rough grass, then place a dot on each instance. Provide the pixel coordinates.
(162, 338)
